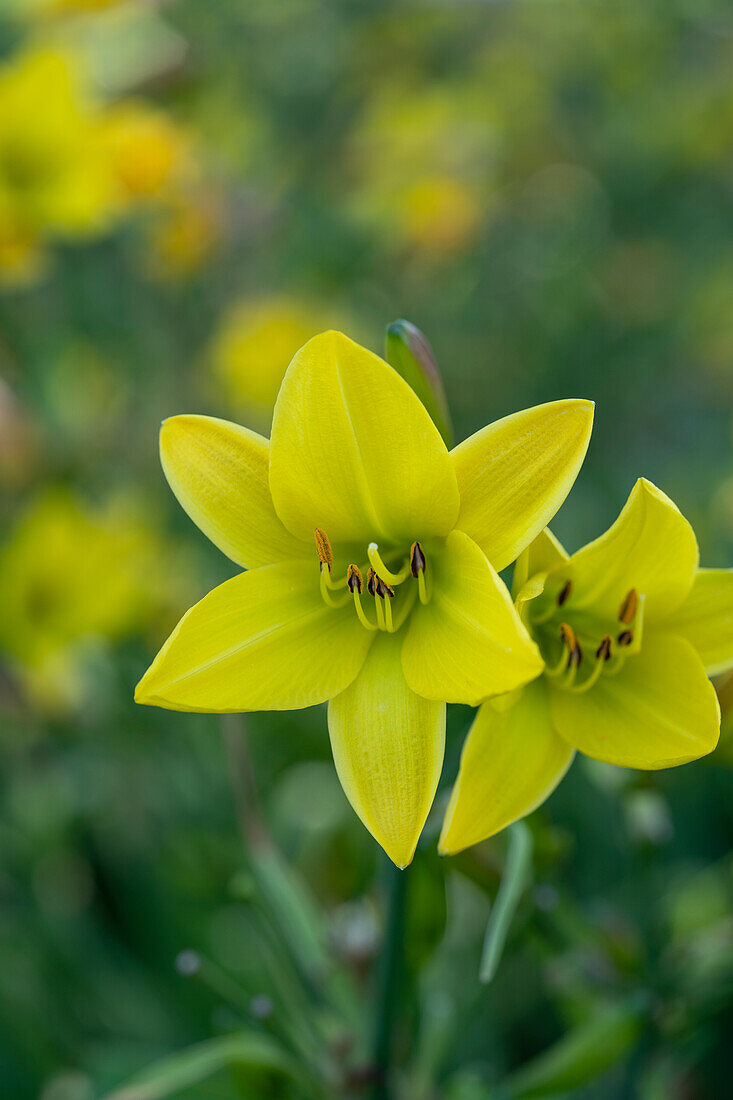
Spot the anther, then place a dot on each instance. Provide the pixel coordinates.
(371, 582)
(383, 589)
(323, 546)
(355, 584)
(626, 637)
(604, 649)
(565, 593)
(417, 559)
(627, 610)
(572, 645)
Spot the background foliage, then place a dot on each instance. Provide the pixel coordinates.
(188, 191)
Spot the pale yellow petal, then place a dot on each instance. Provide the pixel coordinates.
(388, 748)
(354, 452)
(468, 642)
(514, 474)
(705, 619)
(264, 640)
(543, 553)
(219, 473)
(658, 711)
(511, 762)
(651, 547)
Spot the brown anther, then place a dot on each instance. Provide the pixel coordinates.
(626, 637)
(417, 559)
(565, 593)
(604, 649)
(627, 610)
(384, 589)
(571, 643)
(354, 579)
(371, 582)
(568, 636)
(323, 546)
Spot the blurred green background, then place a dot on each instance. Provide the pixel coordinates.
(188, 191)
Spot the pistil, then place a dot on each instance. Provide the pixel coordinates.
(375, 560)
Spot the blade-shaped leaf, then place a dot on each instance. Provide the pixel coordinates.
(516, 875)
(194, 1064)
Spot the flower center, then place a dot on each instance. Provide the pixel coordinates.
(566, 644)
(382, 585)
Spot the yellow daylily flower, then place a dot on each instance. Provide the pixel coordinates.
(629, 628)
(372, 554)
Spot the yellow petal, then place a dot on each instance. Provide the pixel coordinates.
(514, 475)
(706, 619)
(543, 554)
(219, 473)
(388, 748)
(531, 569)
(659, 710)
(468, 642)
(354, 452)
(264, 640)
(651, 547)
(511, 762)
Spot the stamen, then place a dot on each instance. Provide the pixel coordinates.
(568, 636)
(372, 579)
(417, 559)
(576, 656)
(326, 586)
(565, 592)
(323, 546)
(404, 607)
(602, 655)
(355, 583)
(570, 644)
(384, 590)
(354, 579)
(627, 611)
(626, 637)
(384, 570)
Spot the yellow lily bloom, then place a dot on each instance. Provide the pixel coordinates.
(629, 628)
(372, 557)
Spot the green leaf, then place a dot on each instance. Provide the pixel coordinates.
(583, 1054)
(517, 872)
(249, 1051)
(293, 908)
(408, 351)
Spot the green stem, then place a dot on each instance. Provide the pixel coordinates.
(389, 979)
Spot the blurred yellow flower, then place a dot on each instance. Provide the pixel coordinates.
(255, 342)
(52, 178)
(422, 164)
(440, 213)
(71, 7)
(72, 575)
(184, 234)
(71, 166)
(146, 149)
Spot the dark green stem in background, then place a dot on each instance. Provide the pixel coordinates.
(389, 978)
